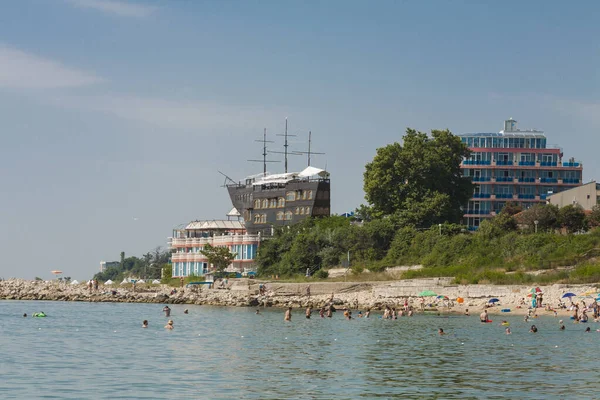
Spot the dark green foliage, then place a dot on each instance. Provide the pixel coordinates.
(593, 219)
(512, 208)
(322, 274)
(545, 214)
(572, 218)
(148, 267)
(219, 256)
(419, 181)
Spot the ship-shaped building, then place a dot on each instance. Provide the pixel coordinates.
(270, 200)
(266, 201)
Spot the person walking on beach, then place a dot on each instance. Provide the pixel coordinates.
(167, 311)
(288, 314)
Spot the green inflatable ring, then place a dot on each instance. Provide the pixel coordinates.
(39, 314)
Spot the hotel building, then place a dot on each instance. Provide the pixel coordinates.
(187, 243)
(514, 166)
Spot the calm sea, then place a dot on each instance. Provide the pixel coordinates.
(100, 351)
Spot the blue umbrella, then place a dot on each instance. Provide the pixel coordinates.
(494, 300)
(569, 295)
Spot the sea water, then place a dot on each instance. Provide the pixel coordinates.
(101, 351)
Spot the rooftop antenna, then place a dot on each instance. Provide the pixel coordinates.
(285, 144)
(308, 152)
(264, 153)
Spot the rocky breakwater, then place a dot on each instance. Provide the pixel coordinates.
(246, 293)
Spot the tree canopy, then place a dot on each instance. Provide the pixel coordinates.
(148, 267)
(419, 182)
(220, 257)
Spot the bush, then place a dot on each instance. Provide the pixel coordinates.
(321, 274)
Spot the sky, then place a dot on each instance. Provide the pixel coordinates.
(117, 116)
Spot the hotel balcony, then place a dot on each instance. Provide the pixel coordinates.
(526, 165)
(224, 240)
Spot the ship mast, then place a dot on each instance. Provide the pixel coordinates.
(285, 144)
(309, 152)
(264, 153)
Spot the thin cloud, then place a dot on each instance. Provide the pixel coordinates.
(119, 8)
(21, 70)
(169, 113)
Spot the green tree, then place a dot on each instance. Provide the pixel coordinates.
(219, 257)
(512, 208)
(504, 221)
(572, 218)
(167, 273)
(420, 180)
(546, 216)
(593, 219)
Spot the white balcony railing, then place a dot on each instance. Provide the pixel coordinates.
(224, 240)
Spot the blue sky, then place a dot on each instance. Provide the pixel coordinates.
(115, 116)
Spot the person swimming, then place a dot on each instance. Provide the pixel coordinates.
(441, 332)
(145, 323)
(257, 311)
(588, 329)
(25, 315)
(533, 329)
(167, 311)
(508, 332)
(169, 324)
(186, 311)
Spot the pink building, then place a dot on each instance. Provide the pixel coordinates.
(188, 242)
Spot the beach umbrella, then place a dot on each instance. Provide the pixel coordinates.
(108, 282)
(74, 282)
(443, 297)
(141, 281)
(494, 300)
(156, 282)
(568, 295)
(536, 290)
(427, 293)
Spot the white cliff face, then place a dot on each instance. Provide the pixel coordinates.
(245, 292)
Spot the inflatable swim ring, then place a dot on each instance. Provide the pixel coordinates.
(39, 314)
(506, 324)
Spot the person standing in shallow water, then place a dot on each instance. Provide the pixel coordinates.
(167, 311)
(483, 317)
(308, 312)
(288, 314)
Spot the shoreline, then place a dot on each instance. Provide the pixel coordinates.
(353, 295)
